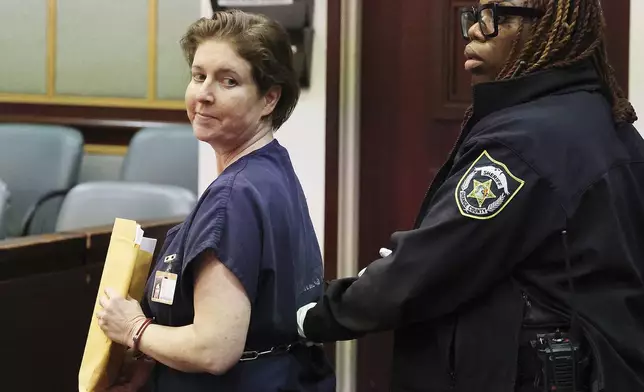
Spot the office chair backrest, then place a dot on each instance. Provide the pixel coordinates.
(93, 204)
(36, 160)
(4, 199)
(163, 156)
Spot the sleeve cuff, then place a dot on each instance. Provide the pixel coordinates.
(301, 316)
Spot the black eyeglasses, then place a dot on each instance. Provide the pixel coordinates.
(488, 16)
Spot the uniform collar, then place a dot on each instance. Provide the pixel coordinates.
(493, 96)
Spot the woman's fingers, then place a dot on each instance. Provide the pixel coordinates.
(103, 301)
(110, 292)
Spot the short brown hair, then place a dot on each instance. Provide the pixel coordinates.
(261, 41)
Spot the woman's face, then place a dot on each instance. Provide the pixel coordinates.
(222, 99)
(485, 58)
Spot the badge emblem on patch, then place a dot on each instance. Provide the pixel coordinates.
(486, 188)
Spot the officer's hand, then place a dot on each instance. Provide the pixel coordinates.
(384, 252)
(301, 316)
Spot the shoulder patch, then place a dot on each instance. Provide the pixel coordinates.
(486, 188)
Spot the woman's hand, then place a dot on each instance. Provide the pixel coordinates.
(120, 317)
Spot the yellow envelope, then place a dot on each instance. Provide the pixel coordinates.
(126, 270)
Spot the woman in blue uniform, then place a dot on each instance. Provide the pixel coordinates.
(219, 308)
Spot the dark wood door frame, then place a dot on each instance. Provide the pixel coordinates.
(332, 146)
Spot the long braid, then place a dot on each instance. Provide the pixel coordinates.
(468, 114)
(621, 105)
(552, 45)
(533, 47)
(567, 27)
(623, 111)
(581, 25)
(564, 36)
(513, 52)
(598, 25)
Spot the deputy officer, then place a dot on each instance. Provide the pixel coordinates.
(524, 270)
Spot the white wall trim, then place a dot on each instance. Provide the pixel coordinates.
(207, 158)
(206, 8)
(636, 59)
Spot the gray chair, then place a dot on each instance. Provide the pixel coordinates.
(4, 200)
(39, 164)
(93, 204)
(163, 156)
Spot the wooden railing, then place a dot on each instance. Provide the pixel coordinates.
(48, 286)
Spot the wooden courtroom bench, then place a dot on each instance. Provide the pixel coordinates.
(48, 286)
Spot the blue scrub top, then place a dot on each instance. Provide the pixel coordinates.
(255, 219)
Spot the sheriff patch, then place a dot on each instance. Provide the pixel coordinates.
(486, 188)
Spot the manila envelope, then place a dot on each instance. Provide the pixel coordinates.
(126, 270)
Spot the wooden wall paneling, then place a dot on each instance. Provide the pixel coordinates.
(398, 67)
(455, 89)
(617, 14)
(95, 59)
(76, 73)
(41, 254)
(23, 37)
(173, 73)
(51, 303)
(44, 340)
(99, 125)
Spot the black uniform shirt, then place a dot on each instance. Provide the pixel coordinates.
(540, 157)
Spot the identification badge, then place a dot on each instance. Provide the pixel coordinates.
(164, 285)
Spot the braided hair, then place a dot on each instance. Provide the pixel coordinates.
(569, 32)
